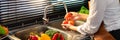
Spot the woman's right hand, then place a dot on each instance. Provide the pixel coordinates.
(76, 16)
(72, 16)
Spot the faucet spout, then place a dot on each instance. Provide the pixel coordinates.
(45, 11)
(45, 19)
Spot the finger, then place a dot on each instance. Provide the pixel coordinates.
(64, 27)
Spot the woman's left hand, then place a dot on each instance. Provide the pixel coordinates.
(69, 26)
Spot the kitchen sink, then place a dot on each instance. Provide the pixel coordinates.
(23, 34)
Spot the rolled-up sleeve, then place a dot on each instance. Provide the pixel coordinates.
(96, 15)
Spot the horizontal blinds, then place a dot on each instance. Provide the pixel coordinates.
(16, 12)
(20, 9)
(19, 12)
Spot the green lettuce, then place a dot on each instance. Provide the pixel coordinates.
(83, 10)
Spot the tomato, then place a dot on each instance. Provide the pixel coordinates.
(68, 16)
(68, 22)
(71, 22)
(65, 22)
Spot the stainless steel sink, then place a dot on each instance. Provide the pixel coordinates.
(23, 34)
(55, 25)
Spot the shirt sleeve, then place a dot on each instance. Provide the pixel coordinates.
(96, 15)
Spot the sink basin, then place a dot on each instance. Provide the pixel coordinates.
(54, 25)
(24, 33)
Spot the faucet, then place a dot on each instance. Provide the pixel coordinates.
(46, 20)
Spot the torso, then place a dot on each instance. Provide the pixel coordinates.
(112, 15)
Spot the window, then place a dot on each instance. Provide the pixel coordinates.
(17, 12)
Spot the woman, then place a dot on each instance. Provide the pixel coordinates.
(107, 11)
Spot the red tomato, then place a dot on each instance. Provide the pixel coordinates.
(68, 22)
(65, 22)
(71, 22)
(68, 16)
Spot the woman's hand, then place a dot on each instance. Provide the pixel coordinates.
(76, 16)
(69, 26)
(82, 17)
(72, 16)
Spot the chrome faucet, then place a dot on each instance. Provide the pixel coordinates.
(46, 20)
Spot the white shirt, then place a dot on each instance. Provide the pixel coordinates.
(102, 10)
